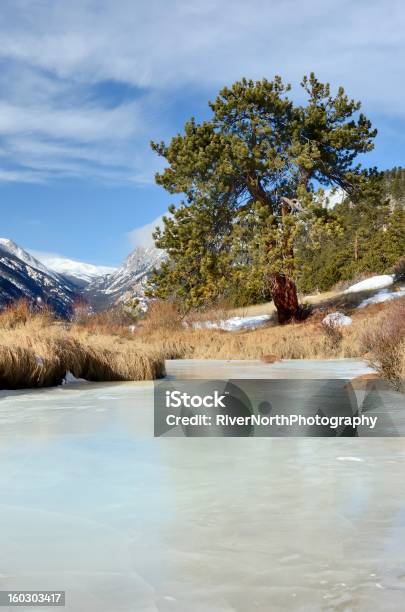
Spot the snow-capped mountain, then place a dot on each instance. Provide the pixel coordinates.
(59, 282)
(23, 276)
(77, 272)
(127, 282)
(14, 249)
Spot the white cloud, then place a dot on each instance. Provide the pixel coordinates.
(142, 236)
(54, 56)
(158, 43)
(87, 124)
(20, 176)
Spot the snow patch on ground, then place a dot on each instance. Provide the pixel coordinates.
(375, 282)
(235, 323)
(337, 318)
(382, 296)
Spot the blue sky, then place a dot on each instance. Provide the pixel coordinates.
(86, 84)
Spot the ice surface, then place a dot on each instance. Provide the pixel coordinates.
(92, 504)
(287, 368)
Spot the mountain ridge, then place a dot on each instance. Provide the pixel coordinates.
(127, 282)
(21, 277)
(13, 248)
(64, 281)
(78, 272)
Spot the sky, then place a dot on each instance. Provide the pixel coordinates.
(85, 85)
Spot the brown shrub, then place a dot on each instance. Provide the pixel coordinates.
(162, 316)
(333, 333)
(15, 314)
(116, 320)
(81, 312)
(22, 312)
(384, 340)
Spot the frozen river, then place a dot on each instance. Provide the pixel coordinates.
(92, 504)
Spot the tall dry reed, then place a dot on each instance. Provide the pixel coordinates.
(38, 351)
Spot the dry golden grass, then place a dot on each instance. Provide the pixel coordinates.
(309, 339)
(36, 351)
(162, 316)
(296, 341)
(20, 313)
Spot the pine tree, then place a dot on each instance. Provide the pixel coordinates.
(197, 239)
(259, 149)
(393, 243)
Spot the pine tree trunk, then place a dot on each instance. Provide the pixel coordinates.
(284, 293)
